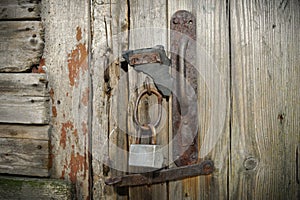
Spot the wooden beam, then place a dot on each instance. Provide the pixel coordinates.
(33, 188)
(21, 44)
(24, 99)
(67, 38)
(24, 150)
(15, 9)
(265, 99)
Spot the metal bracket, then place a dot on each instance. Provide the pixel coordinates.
(204, 168)
(153, 62)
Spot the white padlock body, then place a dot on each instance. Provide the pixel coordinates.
(144, 155)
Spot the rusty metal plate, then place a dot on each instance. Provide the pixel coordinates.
(184, 115)
(145, 58)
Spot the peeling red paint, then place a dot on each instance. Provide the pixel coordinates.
(54, 111)
(63, 138)
(84, 127)
(85, 97)
(79, 34)
(52, 94)
(77, 60)
(39, 69)
(77, 163)
(63, 172)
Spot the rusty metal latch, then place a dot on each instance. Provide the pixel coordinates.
(203, 168)
(182, 82)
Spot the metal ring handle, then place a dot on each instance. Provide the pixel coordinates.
(135, 118)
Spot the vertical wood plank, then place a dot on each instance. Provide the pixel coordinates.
(265, 88)
(109, 86)
(66, 57)
(212, 62)
(148, 25)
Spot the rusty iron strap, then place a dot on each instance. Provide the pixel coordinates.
(183, 59)
(204, 168)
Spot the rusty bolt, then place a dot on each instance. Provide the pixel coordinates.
(175, 21)
(207, 168)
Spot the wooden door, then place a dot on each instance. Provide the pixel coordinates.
(253, 48)
(248, 122)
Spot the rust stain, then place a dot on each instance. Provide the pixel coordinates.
(85, 97)
(64, 128)
(77, 163)
(78, 34)
(84, 128)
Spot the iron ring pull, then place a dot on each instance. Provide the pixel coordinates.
(159, 98)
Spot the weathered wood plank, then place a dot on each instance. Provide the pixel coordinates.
(33, 188)
(24, 84)
(265, 90)
(148, 28)
(24, 150)
(213, 97)
(21, 44)
(109, 148)
(24, 99)
(16, 9)
(67, 58)
(24, 132)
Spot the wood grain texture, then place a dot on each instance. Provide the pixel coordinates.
(21, 10)
(24, 99)
(67, 59)
(24, 150)
(265, 90)
(212, 63)
(109, 120)
(148, 27)
(21, 44)
(24, 132)
(33, 188)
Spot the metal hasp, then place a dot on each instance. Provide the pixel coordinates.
(184, 101)
(203, 168)
(153, 62)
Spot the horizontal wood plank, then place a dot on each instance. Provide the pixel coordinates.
(24, 132)
(16, 9)
(24, 156)
(33, 188)
(24, 84)
(24, 99)
(21, 45)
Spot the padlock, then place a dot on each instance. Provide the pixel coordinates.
(146, 155)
